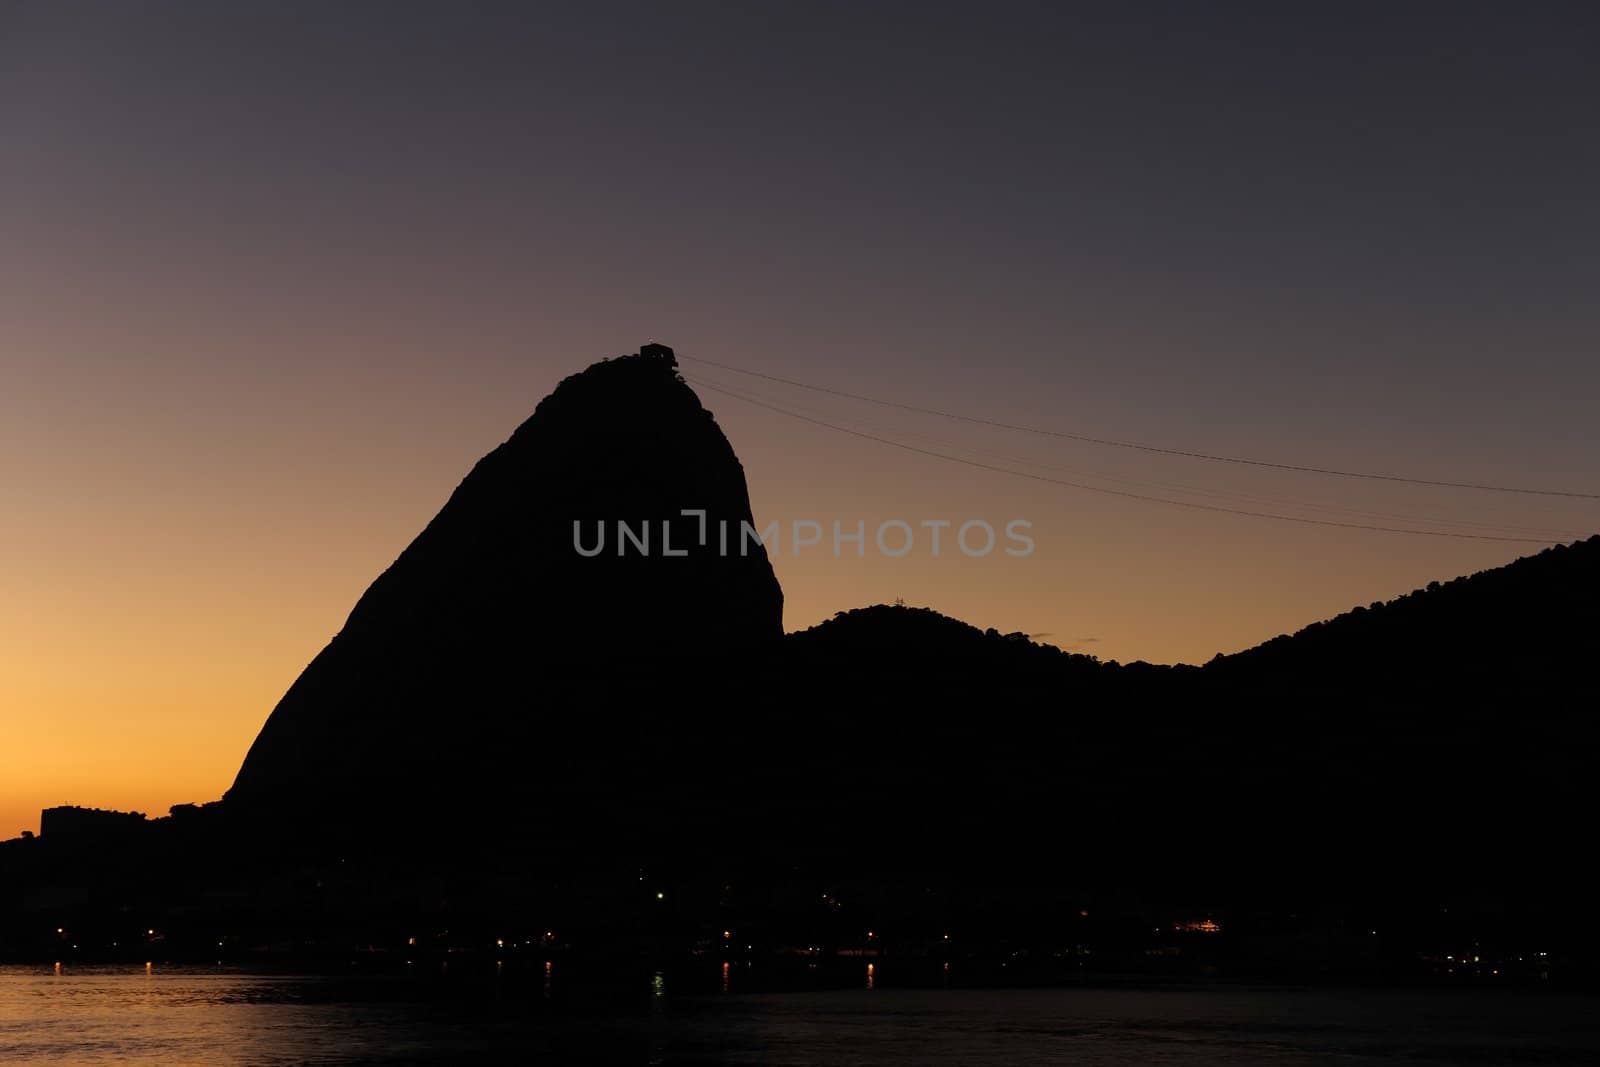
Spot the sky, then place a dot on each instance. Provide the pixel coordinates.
(273, 276)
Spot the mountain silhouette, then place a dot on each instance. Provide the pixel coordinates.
(1526, 624)
(496, 629)
(516, 721)
(495, 672)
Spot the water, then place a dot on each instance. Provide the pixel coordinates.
(126, 1015)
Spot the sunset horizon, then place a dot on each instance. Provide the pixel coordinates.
(206, 771)
(712, 532)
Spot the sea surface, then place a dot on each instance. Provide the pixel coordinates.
(195, 1016)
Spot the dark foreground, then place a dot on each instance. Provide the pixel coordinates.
(219, 1016)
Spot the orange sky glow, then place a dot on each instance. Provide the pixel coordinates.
(271, 282)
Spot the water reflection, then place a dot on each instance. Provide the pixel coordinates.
(136, 1015)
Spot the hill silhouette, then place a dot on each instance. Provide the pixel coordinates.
(1525, 624)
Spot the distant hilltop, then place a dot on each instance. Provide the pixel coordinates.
(70, 819)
